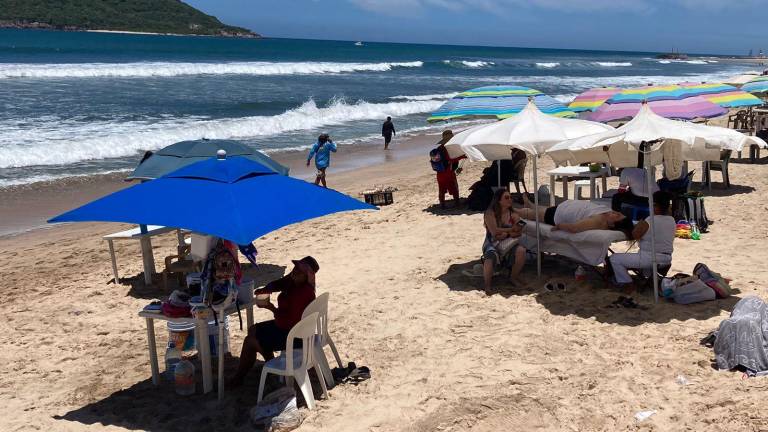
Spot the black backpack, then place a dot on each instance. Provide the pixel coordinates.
(436, 159)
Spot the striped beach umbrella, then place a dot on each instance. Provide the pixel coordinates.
(624, 106)
(649, 93)
(593, 98)
(757, 85)
(722, 94)
(497, 102)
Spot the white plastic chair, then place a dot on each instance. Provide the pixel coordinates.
(320, 306)
(301, 361)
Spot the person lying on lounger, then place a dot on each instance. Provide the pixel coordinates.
(575, 216)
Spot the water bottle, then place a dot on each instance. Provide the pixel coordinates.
(172, 358)
(580, 274)
(695, 234)
(184, 378)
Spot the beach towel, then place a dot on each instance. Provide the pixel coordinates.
(742, 339)
(588, 247)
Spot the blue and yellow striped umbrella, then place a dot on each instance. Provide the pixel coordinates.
(757, 85)
(498, 102)
(722, 94)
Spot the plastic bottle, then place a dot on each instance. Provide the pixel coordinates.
(172, 358)
(580, 274)
(695, 234)
(184, 378)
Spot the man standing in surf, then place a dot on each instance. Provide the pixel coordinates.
(387, 131)
(321, 151)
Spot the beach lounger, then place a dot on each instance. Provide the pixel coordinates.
(588, 247)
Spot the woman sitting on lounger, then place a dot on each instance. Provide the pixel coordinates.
(501, 226)
(575, 216)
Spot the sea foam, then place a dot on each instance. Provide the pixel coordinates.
(167, 69)
(58, 141)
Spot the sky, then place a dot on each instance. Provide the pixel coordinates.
(691, 26)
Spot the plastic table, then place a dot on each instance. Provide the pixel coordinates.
(575, 171)
(144, 239)
(201, 338)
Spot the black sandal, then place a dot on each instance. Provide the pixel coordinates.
(358, 375)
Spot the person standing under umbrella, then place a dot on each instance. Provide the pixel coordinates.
(321, 151)
(388, 131)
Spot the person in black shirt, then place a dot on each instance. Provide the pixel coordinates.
(387, 131)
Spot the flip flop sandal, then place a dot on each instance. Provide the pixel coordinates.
(560, 286)
(358, 375)
(618, 303)
(549, 287)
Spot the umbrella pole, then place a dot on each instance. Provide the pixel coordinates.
(536, 213)
(646, 149)
(498, 172)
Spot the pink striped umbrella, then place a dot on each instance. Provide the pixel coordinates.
(593, 98)
(680, 109)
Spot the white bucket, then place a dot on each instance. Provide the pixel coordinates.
(182, 335)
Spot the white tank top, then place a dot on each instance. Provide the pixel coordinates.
(575, 210)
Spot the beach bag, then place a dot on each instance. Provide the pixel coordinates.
(480, 196)
(504, 246)
(437, 160)
(694, 207)
(718, 283)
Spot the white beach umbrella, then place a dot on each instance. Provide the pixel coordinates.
(738, 80)
(531, 131)
(619, 147)
(650, 133)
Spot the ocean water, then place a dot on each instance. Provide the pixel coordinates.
(75, 103)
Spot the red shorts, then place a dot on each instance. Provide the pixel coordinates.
(446, 182)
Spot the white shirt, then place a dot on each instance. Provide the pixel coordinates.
(572, 211)
(637, 182)
(664, 228)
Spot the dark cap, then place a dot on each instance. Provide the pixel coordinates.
(311, 262)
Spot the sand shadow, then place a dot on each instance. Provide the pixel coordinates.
(261, 275)
(589, 299)
(592, 299)
(719, 190)
(144, 406)
(456, 280)
(449, 210)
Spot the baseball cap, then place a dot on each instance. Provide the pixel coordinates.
(308, 260)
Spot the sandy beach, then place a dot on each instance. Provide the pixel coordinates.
(444, 356)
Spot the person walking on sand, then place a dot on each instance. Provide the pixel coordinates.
(388, 131)
(321, 151)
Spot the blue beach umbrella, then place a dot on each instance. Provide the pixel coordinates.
(497, 102)
(230, 197)
(181, 154)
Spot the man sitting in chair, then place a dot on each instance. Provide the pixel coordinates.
(297, 291)
(664, 228)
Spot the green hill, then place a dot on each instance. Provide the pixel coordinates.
(155, 16)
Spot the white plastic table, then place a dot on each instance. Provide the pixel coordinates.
(201, 338)
(575, 171)
(144, 239)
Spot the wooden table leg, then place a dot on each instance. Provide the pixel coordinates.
(152, 351)
(249, 317)
(114, 260)
(204, 348)
(591, 188)
(605, 183)
(148, 258)
(565, 187)
(552, 191)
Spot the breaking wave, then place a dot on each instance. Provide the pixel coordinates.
(56, 141)
(168, 69)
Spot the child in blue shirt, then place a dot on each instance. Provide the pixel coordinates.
(321, 151)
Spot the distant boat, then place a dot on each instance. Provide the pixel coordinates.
(358, 43)
(673, 56)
